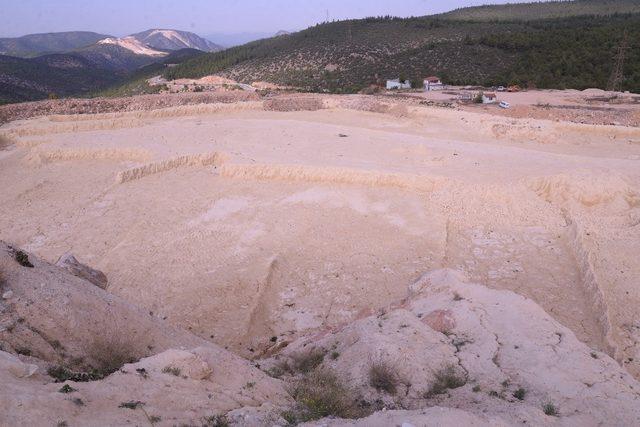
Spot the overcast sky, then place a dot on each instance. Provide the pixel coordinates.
(121, 17)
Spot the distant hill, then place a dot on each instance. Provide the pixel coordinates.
(175, 40)
(50, 75)
(39, 44)
(346, 56)
(93, 63)
(544, 10)
(115, 57)
(136, 83)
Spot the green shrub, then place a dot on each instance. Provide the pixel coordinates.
(520, 393)
(23, 259)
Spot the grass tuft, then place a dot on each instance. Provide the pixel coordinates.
(520, 393)
(216, 421)
(550, 409)
(447, 378)
(171, 370)
(307, 362)
(320, 394)
(383, 377)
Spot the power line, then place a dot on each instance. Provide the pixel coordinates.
(617, 74)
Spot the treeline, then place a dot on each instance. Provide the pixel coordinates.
(544, 10)
(573, 53)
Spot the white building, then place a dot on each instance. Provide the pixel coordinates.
(397, 84)
(489, 98)
(433, 83)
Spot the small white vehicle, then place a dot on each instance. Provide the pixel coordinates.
(504, 104)
(502, 89)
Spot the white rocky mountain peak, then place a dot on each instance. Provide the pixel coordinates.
(156, 42)
(134, 45)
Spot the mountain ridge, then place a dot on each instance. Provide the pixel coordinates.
(347, 56)
(170, 39)
(32, 45)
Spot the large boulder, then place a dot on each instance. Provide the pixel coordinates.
(75, 267)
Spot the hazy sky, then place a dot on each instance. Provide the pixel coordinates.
(120, 17)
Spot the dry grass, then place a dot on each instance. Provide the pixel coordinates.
(384, 377)
(293, 104)
(320, 394)
(550, 409)
(171, 370)
(306, 362)
(108, 353)
(447, 378)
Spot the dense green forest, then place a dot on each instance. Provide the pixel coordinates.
(346, 56)
(544, 10)
(571, 53)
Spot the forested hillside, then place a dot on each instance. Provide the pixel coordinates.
(345, 56)
(544, 10)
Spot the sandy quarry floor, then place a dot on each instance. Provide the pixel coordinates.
(241, 224)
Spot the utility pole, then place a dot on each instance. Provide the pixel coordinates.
(618, 66)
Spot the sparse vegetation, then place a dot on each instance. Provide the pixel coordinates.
(334, 355)
(446, 379)
(132, 404)
(23, 259)
(107, 354)
(476, 388)
(281, 368)
(320, 394)
(172, 370)
(62, 374)
(67, 389)
(383, 377)
(550, 409)
(520, 393)
(308, 361)
(216, 421)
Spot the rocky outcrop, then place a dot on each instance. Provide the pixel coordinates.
(495, 355)
(75, 267)
(450, 353)
(51, 318)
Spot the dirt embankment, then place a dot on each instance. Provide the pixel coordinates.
(27, 110)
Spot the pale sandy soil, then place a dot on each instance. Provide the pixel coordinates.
(590, 106)
(241, 224)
